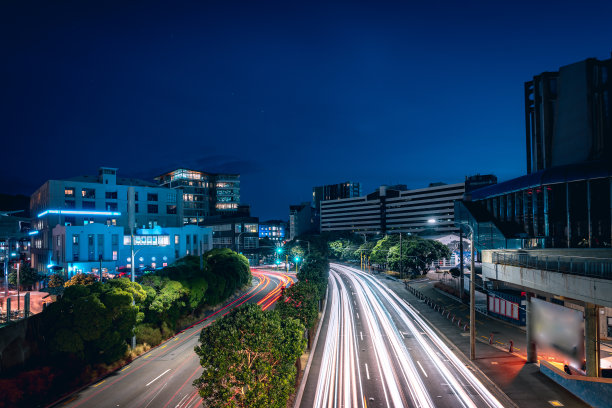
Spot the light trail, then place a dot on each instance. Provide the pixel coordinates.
(389, 323)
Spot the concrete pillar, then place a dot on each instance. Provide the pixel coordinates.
(534, 212)
(567, 211)
(591, 332)
(546, 226)
(532, 353)
(589, 221)
(525, 212)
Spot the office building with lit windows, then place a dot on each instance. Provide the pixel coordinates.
(391, 210)
(97, 202)
(240, 234)
(274, 230)
(204, 194)
(87, 248)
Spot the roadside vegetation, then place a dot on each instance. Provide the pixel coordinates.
(87, 331)
(251, 358)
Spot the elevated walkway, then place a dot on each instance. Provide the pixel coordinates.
(584, 278)
(489, 232)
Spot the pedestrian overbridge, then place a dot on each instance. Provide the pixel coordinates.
(581, 274)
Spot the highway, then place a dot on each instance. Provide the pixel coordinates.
(375, 350)
(163, 376)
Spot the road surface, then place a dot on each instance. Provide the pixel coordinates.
(375, 350)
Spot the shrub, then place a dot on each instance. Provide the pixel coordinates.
(146, 333)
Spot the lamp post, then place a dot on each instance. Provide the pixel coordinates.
(472, 296)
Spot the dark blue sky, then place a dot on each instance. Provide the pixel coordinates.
(289, 94)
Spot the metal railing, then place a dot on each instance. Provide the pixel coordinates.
(575, 265)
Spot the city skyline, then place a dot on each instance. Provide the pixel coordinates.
(288, 97)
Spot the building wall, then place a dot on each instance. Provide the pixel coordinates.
(394, 211)
(79, 249)
(103, 203)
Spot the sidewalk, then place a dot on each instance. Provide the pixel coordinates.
(522, 382)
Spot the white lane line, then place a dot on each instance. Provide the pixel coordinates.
(158, 377)
(367, 371)
(358, 315)
(421, 367)
(361, 335)
(181, 401)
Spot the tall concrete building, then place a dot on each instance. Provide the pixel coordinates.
(204, 194)
(546, 237)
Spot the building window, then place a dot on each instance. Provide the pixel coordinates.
(69, 191)
(152, 208)
(111, 206)
(151, 197)
(90, 248)
(69, 204)
(187, 238)
(75, 239)
(135, 207)
(88, 193)
(176, 240)
(89, 204)
(171, 209)
(172, 197)
(114, 255)
(111, 195)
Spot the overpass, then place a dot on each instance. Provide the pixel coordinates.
(582, 275)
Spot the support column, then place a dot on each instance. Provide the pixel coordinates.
(532, 353)
(546, 226)
(461, 263)
(534, 213)
(567, 211)
(589, 223)
(591, 332)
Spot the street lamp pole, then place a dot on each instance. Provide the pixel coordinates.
(472, 297)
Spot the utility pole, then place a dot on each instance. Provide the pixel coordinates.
(472, 299)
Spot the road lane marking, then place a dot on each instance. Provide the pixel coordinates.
(99, 383)
(367, 371)
(163, 347)
(421, 367)
(125, 368)
(358, 315)
(181, 401)
(156, 378)
(555, 403)
(361, 335)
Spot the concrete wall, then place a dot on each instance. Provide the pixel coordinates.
(596, 392)
(586, 289)
(19, 342)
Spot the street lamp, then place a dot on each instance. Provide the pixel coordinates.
(472, 296)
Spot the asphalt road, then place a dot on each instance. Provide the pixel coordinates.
(375, 350)
(163, 376)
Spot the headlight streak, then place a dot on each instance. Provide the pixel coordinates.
(378, 318)
(402, 307)
(339, 381)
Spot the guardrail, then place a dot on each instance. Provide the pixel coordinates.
(575, 265)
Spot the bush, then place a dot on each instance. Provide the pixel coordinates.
(147, 333)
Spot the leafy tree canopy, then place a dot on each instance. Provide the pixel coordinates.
(248, 359)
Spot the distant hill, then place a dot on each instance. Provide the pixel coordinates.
(15, 202)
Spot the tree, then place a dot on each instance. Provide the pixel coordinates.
(27, 276)
(248, 359)
(80, 279)
(56, 280)
(380, 252)
(91, 323)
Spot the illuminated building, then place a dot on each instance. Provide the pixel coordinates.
(204, 194)
(274, 230)
(103, 200)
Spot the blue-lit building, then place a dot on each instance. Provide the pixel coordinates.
(274, 230)
(86, 248)
(100, 200)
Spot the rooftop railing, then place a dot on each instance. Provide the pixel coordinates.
(575, 265)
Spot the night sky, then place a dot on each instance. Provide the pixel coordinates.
(289, 94)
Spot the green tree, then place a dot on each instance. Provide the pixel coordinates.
(56, 280)
(249, 359)
(27, 276)
(91, 323)
(80, 279)
(381, 249)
